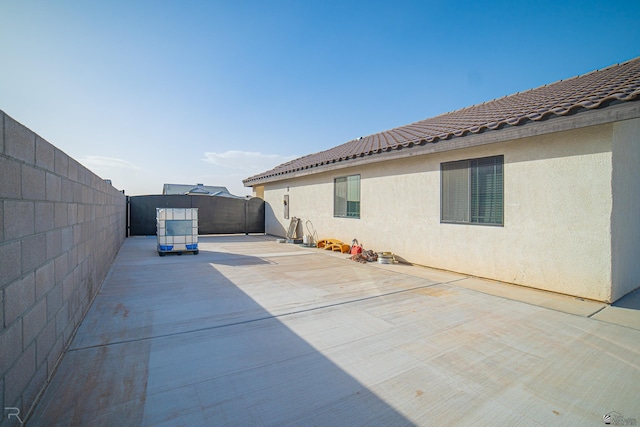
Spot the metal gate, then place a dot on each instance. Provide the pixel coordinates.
(217, 215)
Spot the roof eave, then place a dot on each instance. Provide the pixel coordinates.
(624, 111)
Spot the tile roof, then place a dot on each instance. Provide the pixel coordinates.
(598, 89)
(189, 188)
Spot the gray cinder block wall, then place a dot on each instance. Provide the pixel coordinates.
(61, 227)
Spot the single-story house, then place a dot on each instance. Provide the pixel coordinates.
(198, 189)
(540, 188)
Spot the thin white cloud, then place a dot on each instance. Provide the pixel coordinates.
(102, 163)
(248, 161)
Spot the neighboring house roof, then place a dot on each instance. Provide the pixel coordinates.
(192, 189)
(227, 194)
(598, 89)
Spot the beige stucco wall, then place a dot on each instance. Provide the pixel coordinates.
(556, 233)
(258, 191)
(625, 234)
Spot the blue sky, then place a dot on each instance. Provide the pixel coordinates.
(153, 92)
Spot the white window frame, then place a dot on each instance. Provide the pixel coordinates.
(472, 191)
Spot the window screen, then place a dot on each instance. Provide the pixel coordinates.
(472, 191)
(346, 198)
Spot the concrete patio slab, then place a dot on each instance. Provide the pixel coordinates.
(625, 311)
(253, 332)
(554, 301)
(564, 303)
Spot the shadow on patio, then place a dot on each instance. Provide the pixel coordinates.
(253, 332)
(173, 341)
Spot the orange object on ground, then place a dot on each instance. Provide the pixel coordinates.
(333, 245)
(326, 243)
